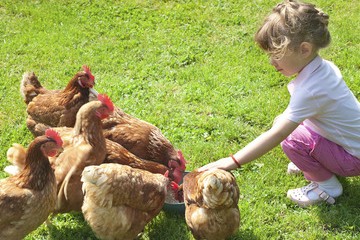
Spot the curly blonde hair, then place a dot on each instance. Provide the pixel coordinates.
(291, 23)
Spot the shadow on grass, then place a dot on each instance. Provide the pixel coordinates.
(244, 235)
(173, 226)
(70, 226)
(170, 226)
(344, 216)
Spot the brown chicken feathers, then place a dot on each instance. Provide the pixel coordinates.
(119, 200)
(116, 153)
(145, 141)
(27, 198)
(134, 141)
(211, 204)
(83, 145)
(140, 137)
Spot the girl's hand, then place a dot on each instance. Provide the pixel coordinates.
(223, 163)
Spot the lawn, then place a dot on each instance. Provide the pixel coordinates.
(192, 69)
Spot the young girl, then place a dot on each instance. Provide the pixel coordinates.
(320, 129)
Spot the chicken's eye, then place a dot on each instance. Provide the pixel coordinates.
(103, 110)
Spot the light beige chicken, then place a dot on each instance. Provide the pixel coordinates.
(211, 204)
(120, 200)
(84, 145)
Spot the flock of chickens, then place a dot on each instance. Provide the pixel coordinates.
(90, 156)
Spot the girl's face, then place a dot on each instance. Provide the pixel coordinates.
(291, 63)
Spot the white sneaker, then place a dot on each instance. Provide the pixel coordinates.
(301, 197)
(292, 169)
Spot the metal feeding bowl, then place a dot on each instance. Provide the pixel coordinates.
(177, 208)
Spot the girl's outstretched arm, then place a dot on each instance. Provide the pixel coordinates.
(264, 143)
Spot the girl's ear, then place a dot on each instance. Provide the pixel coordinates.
(306, 49)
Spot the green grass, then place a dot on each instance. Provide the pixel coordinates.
(192, 69)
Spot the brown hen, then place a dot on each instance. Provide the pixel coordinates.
(27, 198)
(211, 204)
(120, 200)
(55, 108)
(139, 137)
(115, 153)
(144, 140)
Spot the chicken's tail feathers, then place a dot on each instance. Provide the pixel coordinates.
(64, 188)
(30, 86)
(219, 188)
(16, 156)
(36, 128)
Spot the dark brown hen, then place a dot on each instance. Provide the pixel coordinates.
(145, 141)
(55, 108)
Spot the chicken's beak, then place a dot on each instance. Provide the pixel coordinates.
(93, 94)
(58, 151)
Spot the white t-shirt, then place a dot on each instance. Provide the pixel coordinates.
(322, 101)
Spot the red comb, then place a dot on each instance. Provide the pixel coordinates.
(88, 72)
(174, 186)
(51, 133)
(106, 101)
(182, 160)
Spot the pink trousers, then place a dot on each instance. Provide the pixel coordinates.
(318, 158)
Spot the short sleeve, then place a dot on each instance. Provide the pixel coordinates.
(304, 104)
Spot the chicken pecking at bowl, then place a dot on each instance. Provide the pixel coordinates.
(174, 204)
